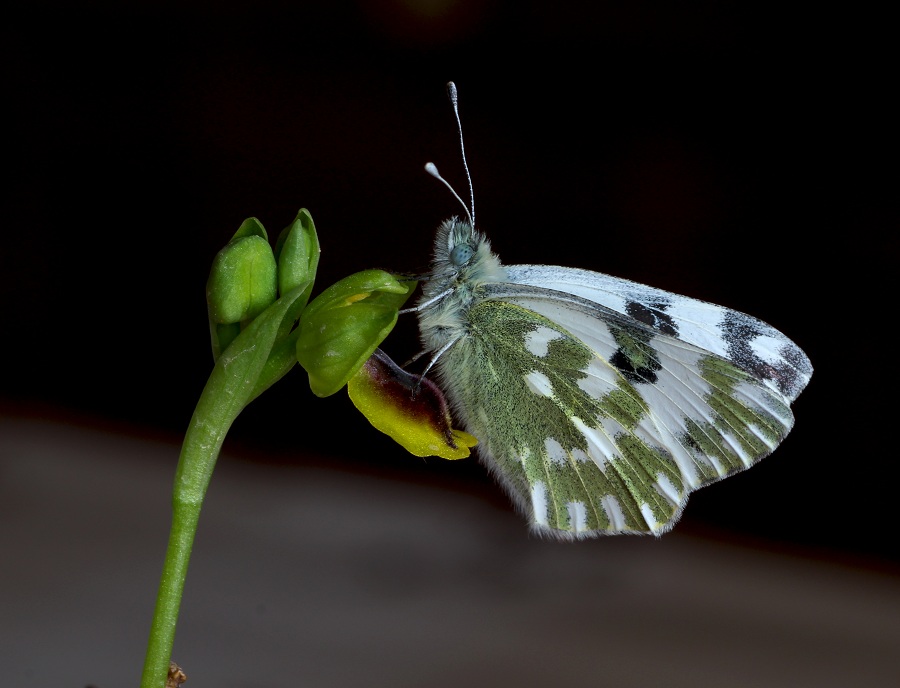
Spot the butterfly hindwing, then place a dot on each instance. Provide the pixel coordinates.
(519, 381)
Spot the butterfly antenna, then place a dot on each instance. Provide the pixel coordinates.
(454, 101)
(431, 169)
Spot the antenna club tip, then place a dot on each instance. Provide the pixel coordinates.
(431, 169)
(451, 91)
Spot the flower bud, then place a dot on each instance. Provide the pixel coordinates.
(243, 278)
(297, 253)
(242, 283)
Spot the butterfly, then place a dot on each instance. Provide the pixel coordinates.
(599, 403)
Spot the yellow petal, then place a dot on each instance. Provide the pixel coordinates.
(409, 408)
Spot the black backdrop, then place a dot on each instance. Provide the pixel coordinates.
(721, 151)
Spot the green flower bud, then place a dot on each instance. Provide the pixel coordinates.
(242, 282)
(341, 328)
(297, 252)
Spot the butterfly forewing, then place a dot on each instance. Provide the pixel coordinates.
(751, 343)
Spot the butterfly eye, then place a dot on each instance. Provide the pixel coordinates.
(461, 254)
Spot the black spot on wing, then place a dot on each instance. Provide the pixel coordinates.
(739, 331)
(635, 374)
(634, 357)
(654, 315)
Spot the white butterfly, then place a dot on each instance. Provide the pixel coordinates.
(600, 403)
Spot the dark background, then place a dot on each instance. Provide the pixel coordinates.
(719, 150)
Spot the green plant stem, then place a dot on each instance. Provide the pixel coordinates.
(199, 453)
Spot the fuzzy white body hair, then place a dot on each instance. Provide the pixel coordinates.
(444, 320)
(458, 278)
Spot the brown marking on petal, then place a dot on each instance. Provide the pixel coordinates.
(416, 396)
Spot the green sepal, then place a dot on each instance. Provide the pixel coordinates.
(221, 336)
(283, 355)
(342, 326)
(251, 227)
(297, 253)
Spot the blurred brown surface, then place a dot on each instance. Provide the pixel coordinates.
(310, 577)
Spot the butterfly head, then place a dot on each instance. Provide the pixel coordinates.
(461, 242)
(462, 252)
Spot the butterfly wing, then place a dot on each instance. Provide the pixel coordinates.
(747, 341)
(597, 422)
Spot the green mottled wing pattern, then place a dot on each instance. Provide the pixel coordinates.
(596, 423)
